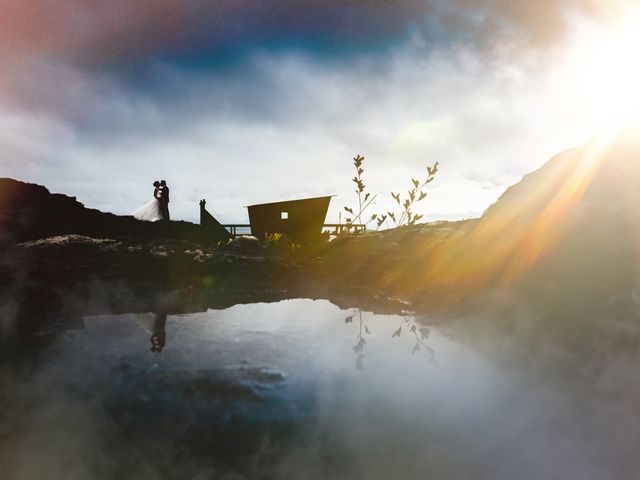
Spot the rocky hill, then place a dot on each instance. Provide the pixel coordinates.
(31, 212)
(566, 234)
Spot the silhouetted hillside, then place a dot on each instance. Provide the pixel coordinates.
(31, 212)
(571, 229)
(567, 234)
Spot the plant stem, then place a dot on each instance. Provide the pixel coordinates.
(362, 209)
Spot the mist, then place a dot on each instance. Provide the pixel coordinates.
(490, 408)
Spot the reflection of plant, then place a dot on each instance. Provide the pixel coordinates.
(360, 341)
(421, 334)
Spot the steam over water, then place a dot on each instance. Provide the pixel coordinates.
(292, 390)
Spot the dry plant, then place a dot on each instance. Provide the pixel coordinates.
(364, 198)
(360, 341)
(404, 215)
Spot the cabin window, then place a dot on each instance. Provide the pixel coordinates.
(284, 215)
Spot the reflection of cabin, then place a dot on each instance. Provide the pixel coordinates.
(300, 220)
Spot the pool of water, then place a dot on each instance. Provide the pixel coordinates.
(291, 390)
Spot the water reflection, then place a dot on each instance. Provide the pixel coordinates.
(270, 391)
(159, 335)
(155, 326)
(418, 331)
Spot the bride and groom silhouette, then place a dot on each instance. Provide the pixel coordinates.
(156, 209)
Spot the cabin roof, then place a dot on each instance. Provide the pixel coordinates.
(288, 201)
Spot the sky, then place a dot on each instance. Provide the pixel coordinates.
(243, 101)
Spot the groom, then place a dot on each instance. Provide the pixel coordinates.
(163, 196)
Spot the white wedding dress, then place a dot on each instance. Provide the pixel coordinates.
(149, 212)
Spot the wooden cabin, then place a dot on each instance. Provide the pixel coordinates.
(300, 220)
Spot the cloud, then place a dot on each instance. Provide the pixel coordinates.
(122, 33)
(285, 126)
(66, 57)
(242, 103)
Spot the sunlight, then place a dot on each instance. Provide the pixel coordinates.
(604, 67)
(423, 135)
(519, 231)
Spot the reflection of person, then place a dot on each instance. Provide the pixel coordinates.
(152, 210)
(159, 335)
(163, 193)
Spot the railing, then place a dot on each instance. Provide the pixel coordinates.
(337, 229)
(233, 228)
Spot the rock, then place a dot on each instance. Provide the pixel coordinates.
(30, 212)
(66, 240)
(245, 242)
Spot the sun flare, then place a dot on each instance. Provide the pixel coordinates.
(604, 67)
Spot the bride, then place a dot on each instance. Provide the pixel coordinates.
(150, 211)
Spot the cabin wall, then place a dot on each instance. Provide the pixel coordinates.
(303, 224)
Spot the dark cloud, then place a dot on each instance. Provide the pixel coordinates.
(119, 32)
(125, 32)
(67, 56)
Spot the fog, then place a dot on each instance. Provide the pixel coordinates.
(287, 390)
